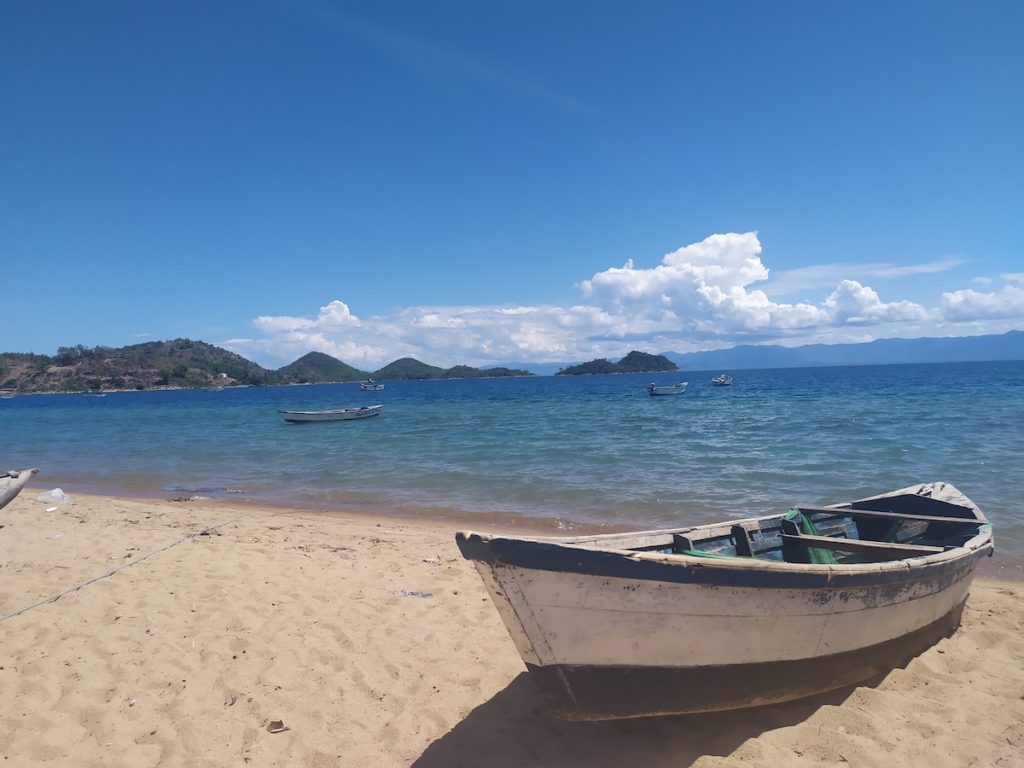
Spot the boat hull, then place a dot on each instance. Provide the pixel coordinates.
(674, 389)
(346, 414)
(592, 692)
(612, 633)
(12, 483)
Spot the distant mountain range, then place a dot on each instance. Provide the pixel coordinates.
(1006, 346)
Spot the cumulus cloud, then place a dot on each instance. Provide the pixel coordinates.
(334, 315)
(852, 302)
(968, 304)
(708, 287)
(705, 295)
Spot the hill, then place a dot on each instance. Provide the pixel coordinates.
(634, 362)
(468, 372)
(155, 364)
(1006, 346)
(184, 364)
(316, 367)
(409, 368)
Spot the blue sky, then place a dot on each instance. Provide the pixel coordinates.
(478, 183)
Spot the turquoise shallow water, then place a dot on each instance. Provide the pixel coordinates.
(577, 450)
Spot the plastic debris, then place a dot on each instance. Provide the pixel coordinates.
(56, 496)
(277, 726)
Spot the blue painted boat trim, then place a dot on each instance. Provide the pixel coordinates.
(559, 558)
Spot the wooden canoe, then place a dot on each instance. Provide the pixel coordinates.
(12, 482)
(736, 614)
(339, 414)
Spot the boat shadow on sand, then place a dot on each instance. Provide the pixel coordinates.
(515, 728)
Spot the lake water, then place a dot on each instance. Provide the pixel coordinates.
(575, 451)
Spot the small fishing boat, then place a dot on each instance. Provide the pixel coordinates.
(6, 394)
(669, 389)
(11, 483)
(735, 614)
(371, 386)
(339, 414)
(722, 381)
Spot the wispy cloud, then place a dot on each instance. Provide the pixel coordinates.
(701, 296)
(439, 60)
(787, 282)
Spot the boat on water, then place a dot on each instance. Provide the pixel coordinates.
(371, 386)
(6, 394)
(11, 483)
(735, 614)
(722, 381)
(669, 389)
(338, 414)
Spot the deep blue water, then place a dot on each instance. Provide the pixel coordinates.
(591, 449)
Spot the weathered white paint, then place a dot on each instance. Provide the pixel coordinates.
(565, 618)
(341, 414)
(12, 483)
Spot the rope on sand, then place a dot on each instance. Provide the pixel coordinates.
(108, 574)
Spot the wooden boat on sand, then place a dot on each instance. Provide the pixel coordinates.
(11, 483)
(735, 614)
(339, 414)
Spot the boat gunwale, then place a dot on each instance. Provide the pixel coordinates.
(980, 541)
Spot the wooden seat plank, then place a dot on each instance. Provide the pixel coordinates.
(892, 515)
(859, 545)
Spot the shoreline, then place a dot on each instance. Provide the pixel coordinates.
(1000, 566)
(184, 631)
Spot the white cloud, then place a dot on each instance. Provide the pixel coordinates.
(708, 287)
(852, 302)
(706, 295)
(968, 304)
(335, 315)
(790, 281)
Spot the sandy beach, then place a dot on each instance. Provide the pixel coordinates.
(207, 634)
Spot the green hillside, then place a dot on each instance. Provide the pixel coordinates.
(316, 367)
(184, 364)
(409, 368)
(468, 372)
(641, 362)
(634, 362)
(155, 364)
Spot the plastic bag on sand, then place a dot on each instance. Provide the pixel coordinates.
(55, 496)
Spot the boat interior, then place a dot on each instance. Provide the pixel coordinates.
(805, 534)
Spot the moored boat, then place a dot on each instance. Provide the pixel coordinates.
(736, 614)
(722, 381)
(338, 414)
(11, 483)
(371, 386)
(6, 394)
(668, 389)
